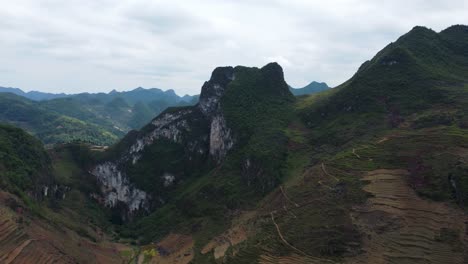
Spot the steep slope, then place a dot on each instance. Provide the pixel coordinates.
(313, 87)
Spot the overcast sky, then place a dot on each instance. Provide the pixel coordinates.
(98, 45)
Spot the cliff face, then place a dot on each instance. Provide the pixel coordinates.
(221, 139)
(200, 132)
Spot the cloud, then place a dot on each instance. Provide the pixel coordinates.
(100, 45)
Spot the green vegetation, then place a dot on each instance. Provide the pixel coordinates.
(258, 108)
(117, 112)
(404, 78)
(99, 119)
(23, 161)
(49, 126)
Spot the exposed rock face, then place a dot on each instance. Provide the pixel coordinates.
(213, 90)
(168, 125)
(116, 188)
(175, 126)
(221, 140)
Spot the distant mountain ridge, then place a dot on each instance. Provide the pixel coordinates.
(33, 95)
(138, 93)
(313, 87)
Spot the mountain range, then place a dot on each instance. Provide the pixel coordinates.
(372, 171)
(100, 118)
(137, 94)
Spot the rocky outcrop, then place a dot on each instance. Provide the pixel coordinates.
(221, 140)
(117, 188)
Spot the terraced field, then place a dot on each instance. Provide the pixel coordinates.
(27, 239)
(401, 227)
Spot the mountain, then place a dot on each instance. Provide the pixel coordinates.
(372, 171)
(313, 87)
(33, 95)
(133, 96)
(144, 170)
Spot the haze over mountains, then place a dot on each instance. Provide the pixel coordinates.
(372, 171)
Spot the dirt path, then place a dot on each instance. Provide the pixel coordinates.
(302, 257)
(401, 227)
(282, 238)
(328, 174)
(355, 154)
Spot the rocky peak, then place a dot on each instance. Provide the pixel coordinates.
(213, 90)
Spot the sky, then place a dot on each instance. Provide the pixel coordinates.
(99, 45)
